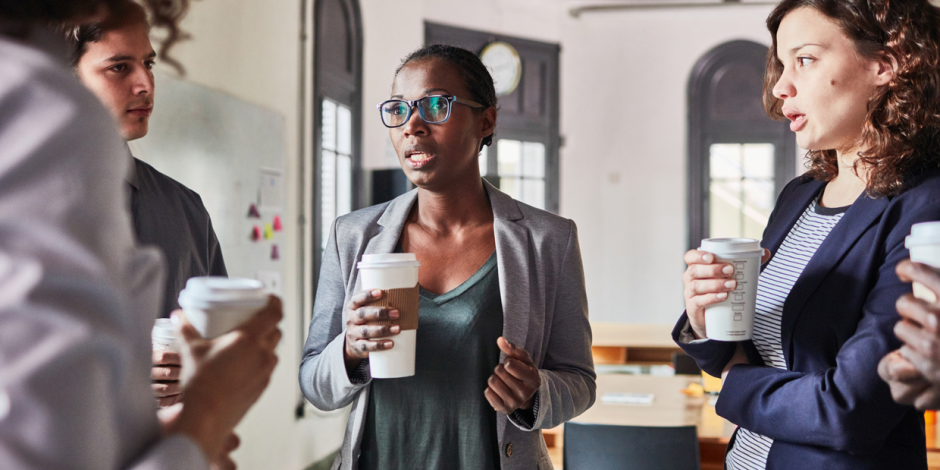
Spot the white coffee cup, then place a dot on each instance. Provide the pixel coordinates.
(164, 337)
(924, 245)
(392, 271)
(733, 318)
(216, 305)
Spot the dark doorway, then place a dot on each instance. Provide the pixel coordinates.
(523, 160)
(739, 158)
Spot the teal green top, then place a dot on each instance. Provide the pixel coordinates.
(439, 418)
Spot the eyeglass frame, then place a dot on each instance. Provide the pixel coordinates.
(412, 104)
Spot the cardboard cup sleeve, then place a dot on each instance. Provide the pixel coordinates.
(405, 301)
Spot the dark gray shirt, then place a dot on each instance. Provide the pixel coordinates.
(172, 217)
(439, 419)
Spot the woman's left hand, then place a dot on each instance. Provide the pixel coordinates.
(515, 381)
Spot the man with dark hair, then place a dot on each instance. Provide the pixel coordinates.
(114, 58)
(78, 295)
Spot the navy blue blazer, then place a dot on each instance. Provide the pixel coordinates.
(829, 409)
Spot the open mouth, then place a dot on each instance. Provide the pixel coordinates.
(417, 160)
(797, 119)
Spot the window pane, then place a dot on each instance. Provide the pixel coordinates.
(725, 160)
(533, 192)
(509, 155)
(510, 186)
(343, 185)
(343, 130)
(484, 154)
(758, 203)
(533, 159)
(328, 125)
(759, 160)
(725, 209)
(327, 194)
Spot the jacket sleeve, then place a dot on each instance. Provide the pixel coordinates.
(323, 377)
(567, 372)
(845, 407)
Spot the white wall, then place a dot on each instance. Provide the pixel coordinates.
(622, 170)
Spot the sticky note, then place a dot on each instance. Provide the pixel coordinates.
(275, 255)
(253, 212)
(268, 232)
(277, 223)
(255, 233)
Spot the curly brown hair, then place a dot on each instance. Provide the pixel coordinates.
(901, 134)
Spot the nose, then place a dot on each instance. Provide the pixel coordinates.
(784, 88)
(415, 125)
(143, 81)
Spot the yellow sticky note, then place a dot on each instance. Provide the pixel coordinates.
(268, 231)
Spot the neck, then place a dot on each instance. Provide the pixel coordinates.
(849, 183)
(452, 209)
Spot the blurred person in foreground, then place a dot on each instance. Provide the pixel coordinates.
(78, 296)
(114, 59)
(913, 371)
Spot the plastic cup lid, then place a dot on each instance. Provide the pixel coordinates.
(222, 289)
(924, 233)
(389, 260)
(724, 246)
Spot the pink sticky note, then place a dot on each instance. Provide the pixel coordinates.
(275, 255)
(255, 233)
(277, 223)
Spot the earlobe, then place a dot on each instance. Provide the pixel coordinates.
(489, 122)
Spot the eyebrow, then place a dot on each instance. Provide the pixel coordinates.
(122, 58)
(793, 50)
(426, 92)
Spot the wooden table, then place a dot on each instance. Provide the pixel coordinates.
(672, 408)
(619, 343)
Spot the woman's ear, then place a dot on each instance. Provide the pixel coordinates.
(488, 122)
(887, 68)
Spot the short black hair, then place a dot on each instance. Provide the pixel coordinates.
(476, 77)
(125, 12)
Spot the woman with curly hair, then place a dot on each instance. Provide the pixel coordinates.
(859, 82)
(78, 296)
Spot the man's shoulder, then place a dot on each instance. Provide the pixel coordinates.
(148, 175)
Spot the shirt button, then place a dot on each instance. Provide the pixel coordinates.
(509, 450)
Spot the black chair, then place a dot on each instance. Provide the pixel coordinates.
(684, 364)
(606, 447)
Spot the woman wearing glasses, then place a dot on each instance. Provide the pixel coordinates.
(858, 79)
(504, 345)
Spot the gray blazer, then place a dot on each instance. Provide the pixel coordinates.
(541, 284)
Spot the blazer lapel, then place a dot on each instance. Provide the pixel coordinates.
(790, 213)
(860, 216)
(512, 260)
(391, 222)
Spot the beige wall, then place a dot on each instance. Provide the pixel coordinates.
(622, 170)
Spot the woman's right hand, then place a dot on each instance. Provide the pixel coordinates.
(360, 335)
(706, 282)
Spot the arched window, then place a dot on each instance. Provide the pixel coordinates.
(739, 158)
(337, 116)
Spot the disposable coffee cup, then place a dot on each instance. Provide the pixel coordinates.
(733, 318)
(163, 336)
(216, 305)
(397, 275)
(924, 245)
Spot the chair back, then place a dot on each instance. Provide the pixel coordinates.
(607, 447)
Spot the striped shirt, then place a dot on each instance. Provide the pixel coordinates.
(751, 449)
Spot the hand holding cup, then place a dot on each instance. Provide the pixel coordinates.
(360, 335)
(165, 377)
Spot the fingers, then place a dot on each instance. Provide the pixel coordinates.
(709, 271)
(698, 257)
(522, 387)
(710, 286)
(919, 312)
(928, 399)
(165, 373)
(361, 348)
(364, 315)
(918, 339)
(496, 402)
(363, 298)
(699, 302)
(186, 329)
(167, 358)
(266, 320)
(165, 389)
(896, 368)
(512, 350)
(765, 257)
(909, 271)
(171, 400)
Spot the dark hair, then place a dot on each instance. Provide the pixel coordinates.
(901, 133)
(164, 14)
(476, 78)
(49, 11)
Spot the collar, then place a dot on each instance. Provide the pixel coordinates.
(504, 206)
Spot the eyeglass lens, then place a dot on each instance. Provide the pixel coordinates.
(433, 109)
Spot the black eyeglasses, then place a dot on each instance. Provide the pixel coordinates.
(433, 109)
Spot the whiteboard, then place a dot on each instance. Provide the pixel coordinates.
(230, 152)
